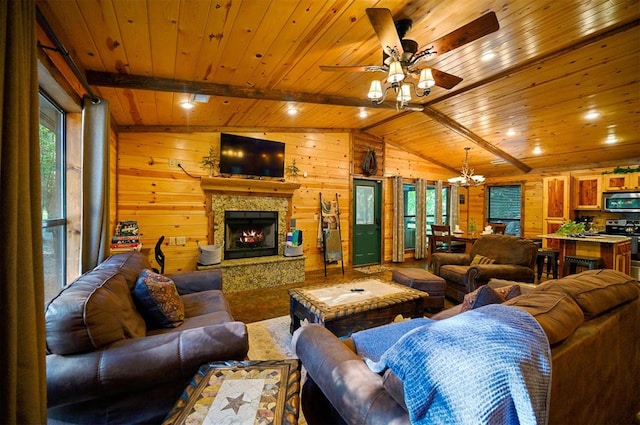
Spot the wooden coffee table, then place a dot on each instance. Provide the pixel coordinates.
(349, 307)
(241, 392)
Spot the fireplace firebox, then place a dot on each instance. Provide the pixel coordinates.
(250, 234)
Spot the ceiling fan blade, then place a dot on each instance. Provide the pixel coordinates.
(445, 80)
(486, 24)
(442, 79)
(385, 29)
(354, 68)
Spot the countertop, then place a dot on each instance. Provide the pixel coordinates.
(595, 238)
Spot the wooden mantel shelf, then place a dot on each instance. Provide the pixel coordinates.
(248, 186)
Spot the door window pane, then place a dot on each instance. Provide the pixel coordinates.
(365, 204)
(409, 192)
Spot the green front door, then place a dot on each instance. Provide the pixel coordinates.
(367, 233)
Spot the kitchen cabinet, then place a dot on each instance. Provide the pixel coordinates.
(587, 192)
(555, 205)
(621, 181)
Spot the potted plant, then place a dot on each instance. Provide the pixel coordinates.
(293, 170)
(211, 162)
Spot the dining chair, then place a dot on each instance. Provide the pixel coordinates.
(441, 240)
(498, 228)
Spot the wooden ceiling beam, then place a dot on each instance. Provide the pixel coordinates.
(227, 129)
(141, 82)
(465, 132)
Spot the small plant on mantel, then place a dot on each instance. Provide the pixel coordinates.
(293, 169)
(211, 162)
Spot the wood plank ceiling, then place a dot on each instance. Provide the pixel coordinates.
(553, 62)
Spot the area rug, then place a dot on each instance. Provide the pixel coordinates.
(378, 268)
(270, 339)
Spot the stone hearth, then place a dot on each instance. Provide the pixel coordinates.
(229, 194)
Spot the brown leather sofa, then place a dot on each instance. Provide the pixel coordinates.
(514, 259)
(106, 365)
(591, 321)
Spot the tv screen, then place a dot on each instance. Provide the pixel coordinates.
(251, 157)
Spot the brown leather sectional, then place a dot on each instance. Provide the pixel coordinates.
(105, 365)
(591, 320)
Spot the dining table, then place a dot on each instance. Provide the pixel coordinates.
(468, 238)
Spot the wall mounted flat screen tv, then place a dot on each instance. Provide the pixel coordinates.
(241, 155)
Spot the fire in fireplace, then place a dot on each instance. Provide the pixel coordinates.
(250, 234)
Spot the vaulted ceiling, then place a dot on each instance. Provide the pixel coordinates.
(553, 61)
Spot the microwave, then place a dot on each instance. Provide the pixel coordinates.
(624, 202)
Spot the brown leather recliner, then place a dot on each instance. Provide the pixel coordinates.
(514, 259)
(105, 364)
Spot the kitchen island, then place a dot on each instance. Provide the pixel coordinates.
(615, 251)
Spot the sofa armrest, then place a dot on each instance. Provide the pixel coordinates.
(355, 391)
(198, 281)
(482, 273)
(139, 364)
(449, 258)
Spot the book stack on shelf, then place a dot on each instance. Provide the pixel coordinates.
(126, 237)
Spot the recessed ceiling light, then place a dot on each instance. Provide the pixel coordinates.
(488, 55)
(592, 115)
(187, 105)
(511, 132)
(292, 111)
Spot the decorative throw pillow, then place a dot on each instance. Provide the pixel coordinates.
(158, 300)
(485, 295)
(481, 259)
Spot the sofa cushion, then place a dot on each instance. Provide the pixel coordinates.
(157, 299)
(556, 312)
(506, 249)
(95, 310)
(481, 259)
(596, 291)
(129, 263)
(454, 273)
(486, 295)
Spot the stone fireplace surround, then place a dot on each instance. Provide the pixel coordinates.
(223, 194)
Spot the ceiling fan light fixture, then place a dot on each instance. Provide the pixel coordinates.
(404, 94)
(426, 79)
(396, 74)
(375, 91)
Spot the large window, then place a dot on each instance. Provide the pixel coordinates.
(409, 215)
(52, 169)
(504, 206)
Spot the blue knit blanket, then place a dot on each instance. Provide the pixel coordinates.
(491, 365)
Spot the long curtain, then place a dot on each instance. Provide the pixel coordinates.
(95, 183)
(421, 219)
(454, 207)
(397, 254)
(23, 393)
(438, 218)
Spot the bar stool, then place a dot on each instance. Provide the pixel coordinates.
(571, 262)
(551, 255)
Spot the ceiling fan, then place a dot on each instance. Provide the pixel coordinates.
(402, 59)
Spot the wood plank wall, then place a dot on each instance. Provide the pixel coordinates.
(166, 201)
